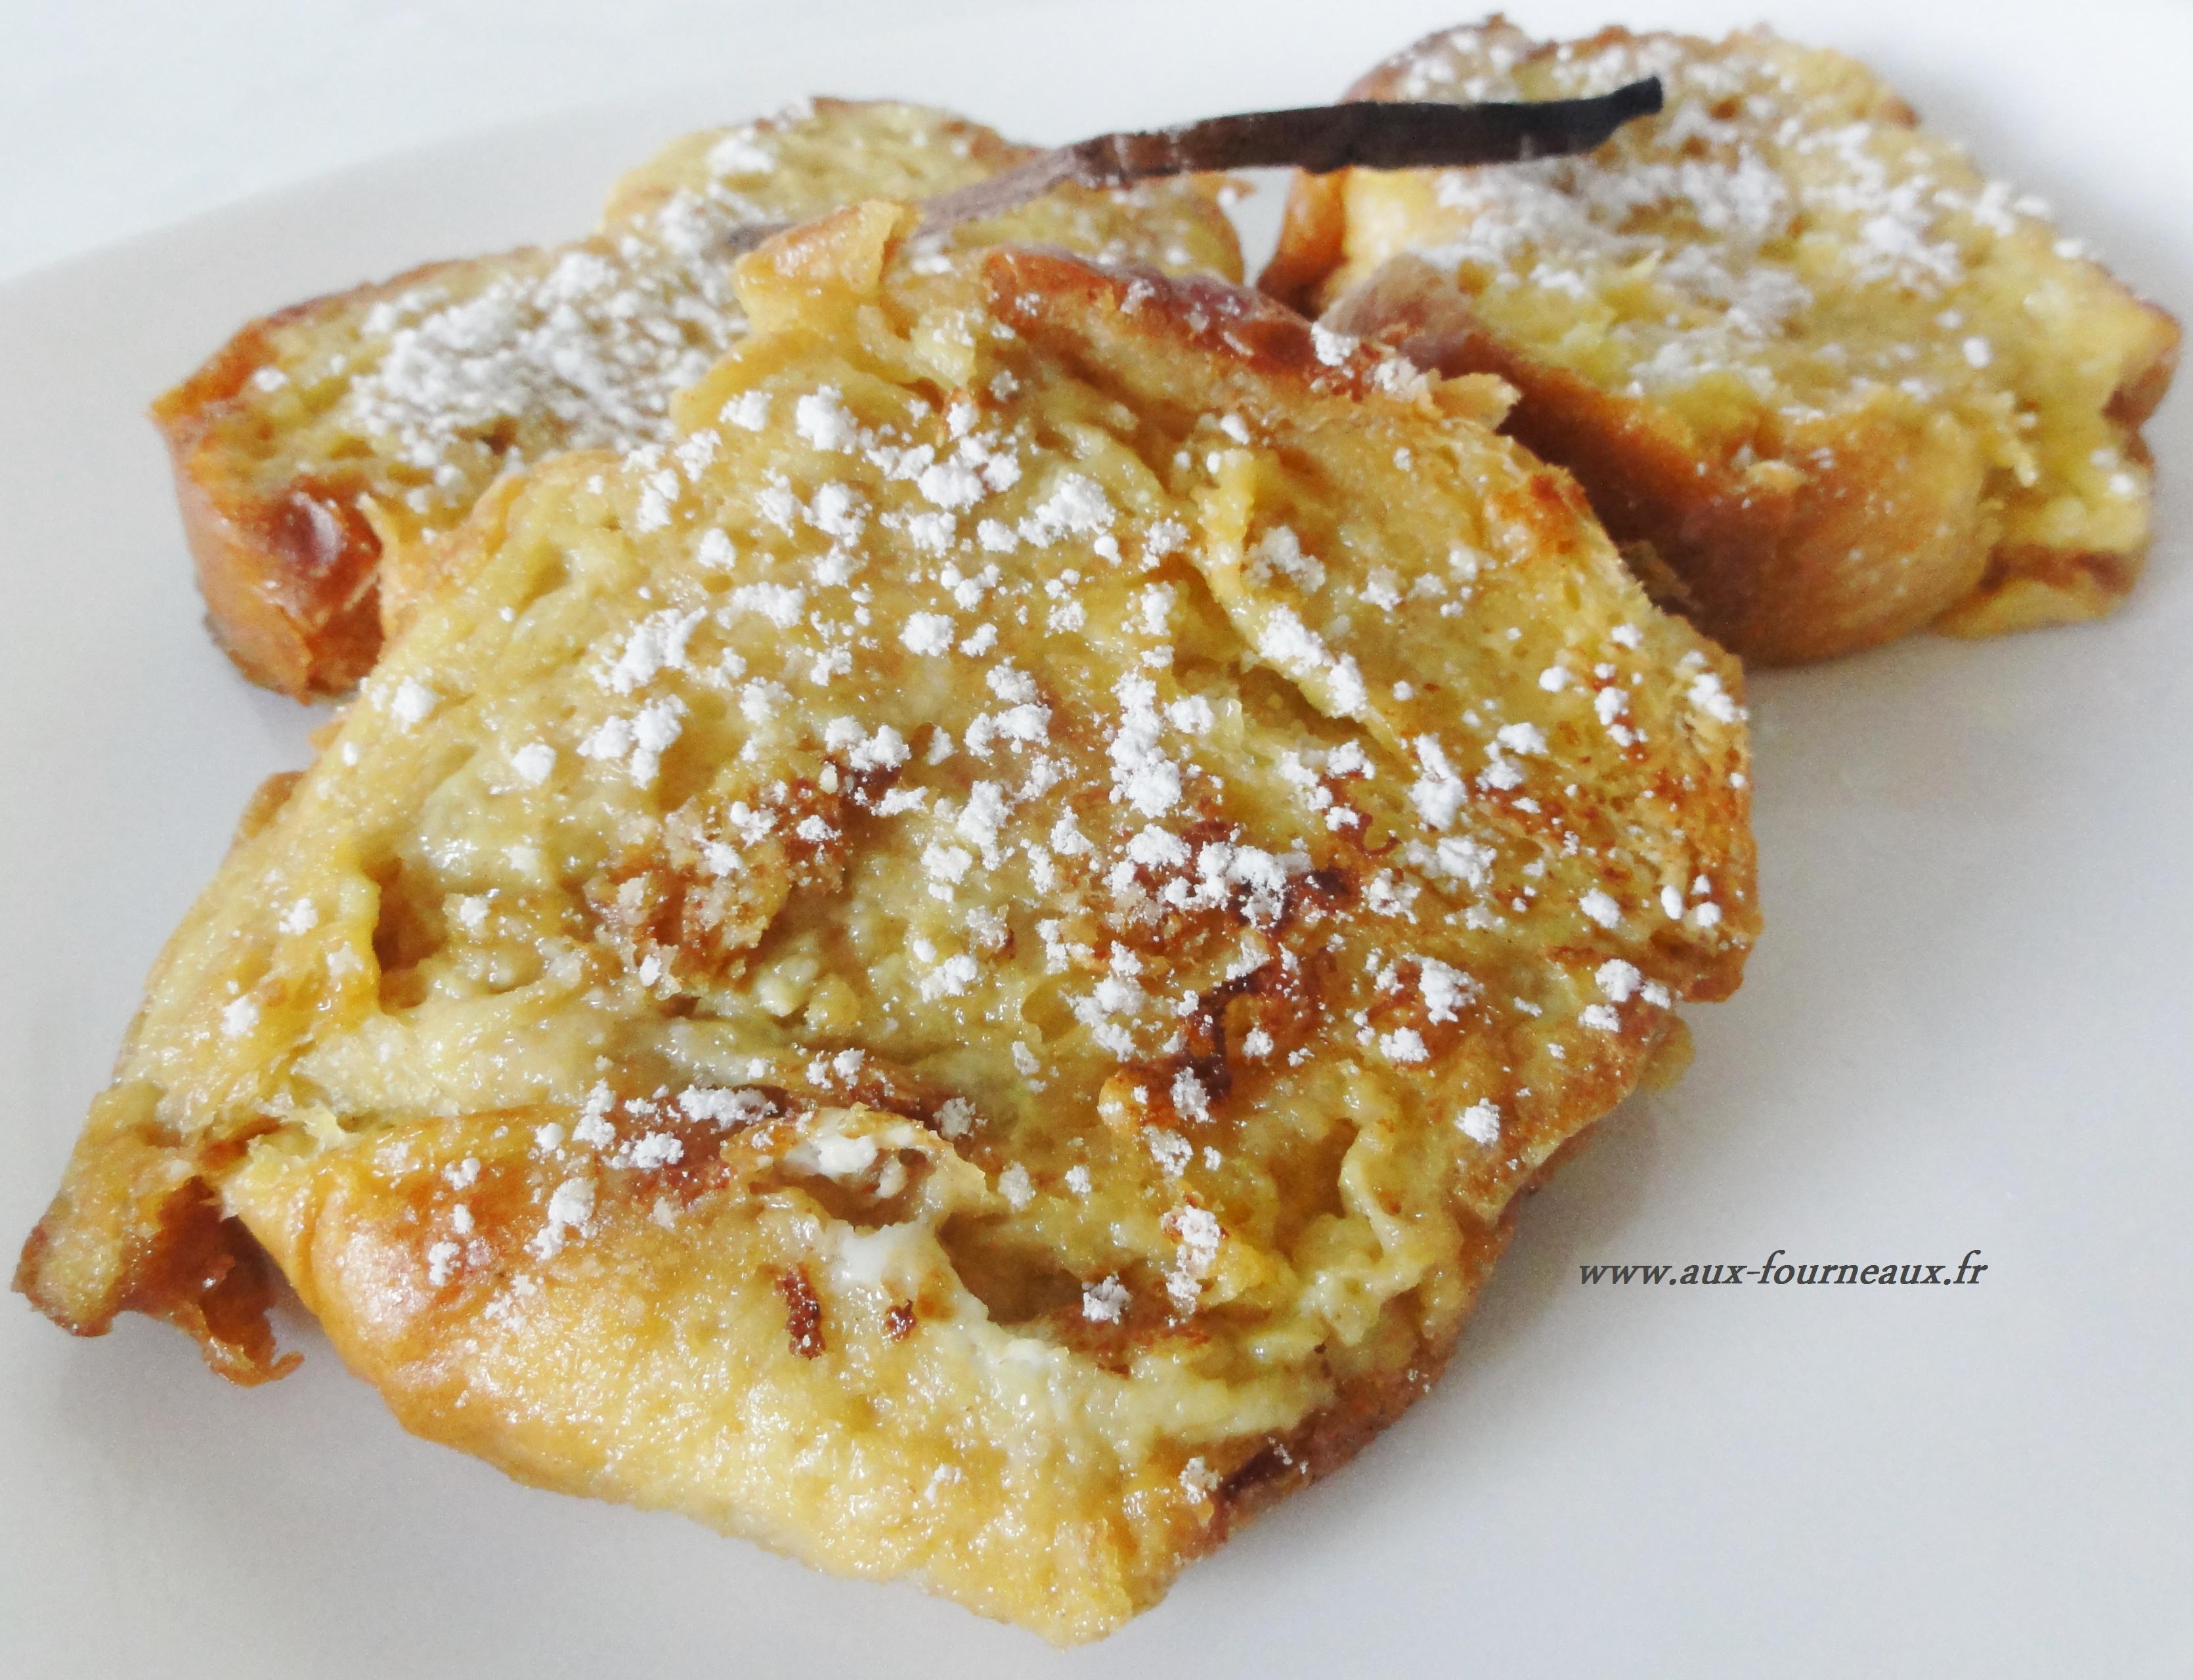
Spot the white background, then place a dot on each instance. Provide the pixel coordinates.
(116, 116)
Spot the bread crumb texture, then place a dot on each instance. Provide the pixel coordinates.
(1844, 385)
(952, 964)
(334, 436)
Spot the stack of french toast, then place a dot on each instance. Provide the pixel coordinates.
(965, 867)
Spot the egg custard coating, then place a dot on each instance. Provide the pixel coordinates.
(958, 971)
(1842, 384)
(325, 445)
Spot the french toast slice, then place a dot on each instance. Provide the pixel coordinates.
(338, 437)
(958, 970)
(1842, 384)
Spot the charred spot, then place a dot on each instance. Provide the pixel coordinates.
(1205, 1057)
(649, 911)
(1390, 843)
(1263, 1473)
(1315, 894)
(1205, 1029)
(1559, 501)
(803, 1312)
(1387, 1010)
(137, 1227)
(1336, 885)
(1320, 1444)
(1288, 1008)
(218, 1288)
(701, 1166)
(1346, 832)
(898, 1323)
(781, 1101)
(1146, 1325)
(864, 788)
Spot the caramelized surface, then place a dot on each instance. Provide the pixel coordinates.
(1843, 382)
(956, 971)
(352, 429)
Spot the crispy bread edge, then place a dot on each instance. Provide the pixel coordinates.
(1780, 575)
(288, 577)
(1779, 567)
(1270, 341)
(136, 1226)
(291, 579)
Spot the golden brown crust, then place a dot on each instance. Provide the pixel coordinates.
(1066, 300)
(1781, 568)
(1313, 230)
(959, 972)
(287, 577)
(1329, 1440)
(1037, 287)
(289, 523)
(1835, 523)
(2134, 402)
(137, 1228)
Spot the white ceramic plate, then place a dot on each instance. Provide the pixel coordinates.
(1966, 1028)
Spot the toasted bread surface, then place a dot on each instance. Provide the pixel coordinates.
(958, 970)
(337, 437)
(1845, 386)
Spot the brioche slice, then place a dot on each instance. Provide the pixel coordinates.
(339, 434)
(957, 971)
(1843, 384)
